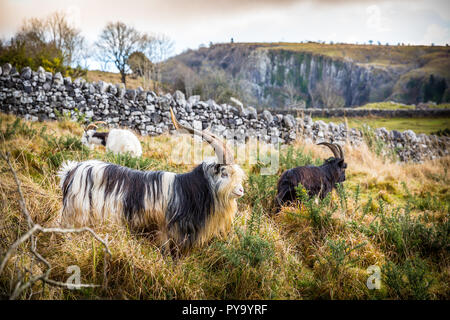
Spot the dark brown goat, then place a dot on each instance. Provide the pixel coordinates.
(316, 180)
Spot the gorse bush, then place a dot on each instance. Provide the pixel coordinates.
(18, 127)
(127, 160)
(74, 115)
(57, 150)
(251, 250)
(372, 141)
(398, 230)
(319, 211)
(291, 158)
(339, 256)
(261, 189)
(409, 279)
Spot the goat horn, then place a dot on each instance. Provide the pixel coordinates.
(94, 124)
(332, 148)
(340, 151)
(90, 126)
(220, 147)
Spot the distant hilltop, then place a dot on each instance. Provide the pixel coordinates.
(313, 74)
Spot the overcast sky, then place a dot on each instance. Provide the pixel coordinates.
(193, 22)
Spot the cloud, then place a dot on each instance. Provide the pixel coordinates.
(436, 34)
(73, 14)
(375, 20)
(191, 22)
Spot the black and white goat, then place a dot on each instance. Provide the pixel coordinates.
(317, 180)
(116, 140)
(184, 209)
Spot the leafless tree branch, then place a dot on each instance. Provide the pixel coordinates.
(31, 234)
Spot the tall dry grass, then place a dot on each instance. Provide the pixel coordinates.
(388, 214)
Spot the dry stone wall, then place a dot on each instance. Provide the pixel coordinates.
(40, 95)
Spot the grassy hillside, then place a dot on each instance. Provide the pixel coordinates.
(418, 125)
(425, 125)
(114, 78)
(395, 106)
(395, 216)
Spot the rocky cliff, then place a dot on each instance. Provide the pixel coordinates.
(321, 75)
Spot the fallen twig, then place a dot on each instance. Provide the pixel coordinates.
(31, 235)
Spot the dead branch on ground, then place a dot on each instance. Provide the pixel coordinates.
(30, 235)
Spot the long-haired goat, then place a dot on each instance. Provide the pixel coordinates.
(316, 180)
(116, 140)
(184, 209)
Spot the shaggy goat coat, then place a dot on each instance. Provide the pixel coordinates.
(187, 209)
(316, 180)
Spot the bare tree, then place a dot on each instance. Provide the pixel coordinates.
(116, 43)
(180, 76)
(328, 95)
(157, 48)
(293, 98)
(66, 38)
(54, 30)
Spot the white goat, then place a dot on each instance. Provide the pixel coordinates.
(116, 140)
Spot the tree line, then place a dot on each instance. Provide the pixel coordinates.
(55, 44)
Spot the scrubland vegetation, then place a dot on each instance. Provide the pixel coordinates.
(394, 216)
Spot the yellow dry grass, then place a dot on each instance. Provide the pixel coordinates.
(295, 265)
(114, 78)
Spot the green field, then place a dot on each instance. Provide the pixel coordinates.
(418, 125)
(395, 106)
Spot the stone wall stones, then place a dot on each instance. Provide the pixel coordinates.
(40, 95)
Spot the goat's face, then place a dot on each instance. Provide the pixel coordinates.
(227, 180)
(339, 167)
(87, 137)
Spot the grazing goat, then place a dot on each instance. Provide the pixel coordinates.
(316, 180)
(116, 140)
(185, 210)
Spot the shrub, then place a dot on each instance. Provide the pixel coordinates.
(319, 213)
(67, 147)
(289, 159)
(409, 280)
(17, 128)
(339, 256)
(407, 235)
(251, 250)
(261, 189)
(127, 160)
(374, 143)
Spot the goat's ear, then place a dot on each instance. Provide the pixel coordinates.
(342, 164)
